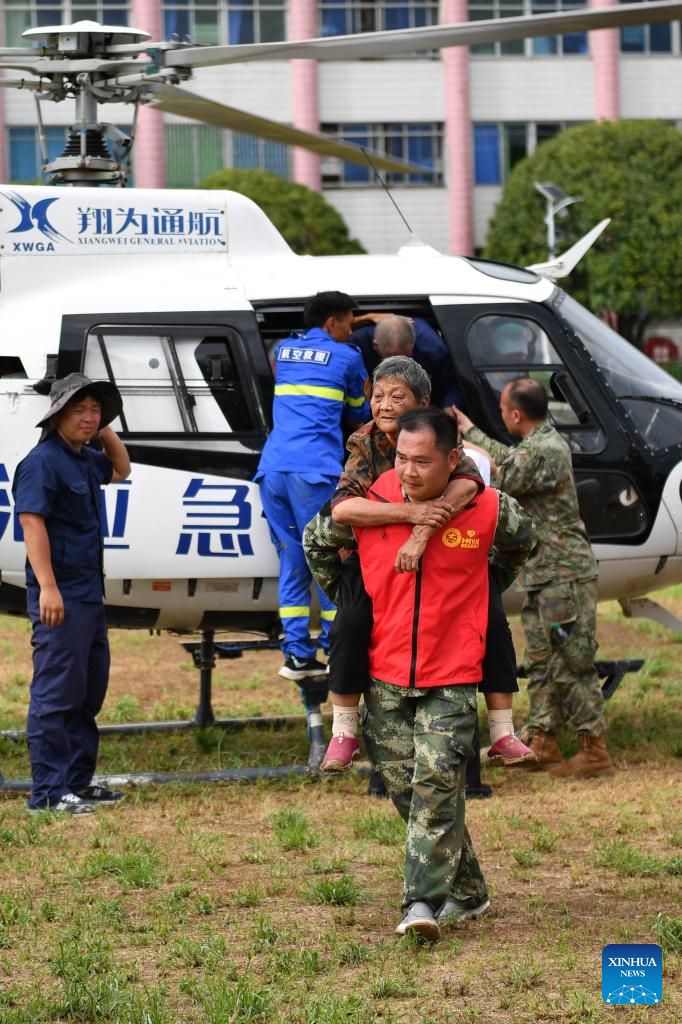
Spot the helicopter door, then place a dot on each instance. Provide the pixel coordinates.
(491, 345)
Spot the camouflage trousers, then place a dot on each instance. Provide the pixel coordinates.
(419, 741)
(560, 624)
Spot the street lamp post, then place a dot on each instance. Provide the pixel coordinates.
(557, 202)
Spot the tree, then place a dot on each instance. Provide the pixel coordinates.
(630, 171)
(307, 221)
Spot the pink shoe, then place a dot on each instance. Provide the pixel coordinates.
(340, 753)
(510, 752)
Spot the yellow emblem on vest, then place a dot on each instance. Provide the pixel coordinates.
(471, 540)
(452, 538)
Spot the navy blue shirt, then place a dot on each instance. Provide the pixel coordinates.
(63, 486)
(430, 351)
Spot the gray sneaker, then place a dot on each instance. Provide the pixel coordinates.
(420, 919)
(455, 911)
(67, 804)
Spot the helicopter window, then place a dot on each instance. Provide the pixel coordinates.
(610, 505)
(505, 347)
(660, 425)
(12, 368)
(184, 382)
(510, 340)
(627, 370)
(651, 398)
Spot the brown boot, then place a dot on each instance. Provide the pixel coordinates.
(546, 749)
(592, 759)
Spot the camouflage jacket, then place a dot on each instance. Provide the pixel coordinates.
(539, 473)
(324, 540)
(370, 453)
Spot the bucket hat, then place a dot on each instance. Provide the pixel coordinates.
(62, 391)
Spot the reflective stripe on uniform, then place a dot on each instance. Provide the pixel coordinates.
(355, 402)
(328, 616)
(294, 611)
(311, 390)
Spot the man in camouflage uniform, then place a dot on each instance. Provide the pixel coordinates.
(419, 734)
(560, 609)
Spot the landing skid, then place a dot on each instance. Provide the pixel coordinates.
(204, 655)
(644, 608)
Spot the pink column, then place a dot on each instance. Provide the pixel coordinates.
(149, 151)
(605, 49)
(458, 136)
(4, 156)
(303, 24)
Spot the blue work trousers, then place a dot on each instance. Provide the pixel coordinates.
(290, 502)
(70, 676)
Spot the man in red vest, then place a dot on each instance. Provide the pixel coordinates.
(427, 646)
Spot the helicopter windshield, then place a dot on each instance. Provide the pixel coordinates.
(651, 398)
(627, 370)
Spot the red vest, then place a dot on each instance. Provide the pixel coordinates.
(429, 626)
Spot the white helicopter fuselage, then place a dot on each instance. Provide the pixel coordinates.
(110, 282)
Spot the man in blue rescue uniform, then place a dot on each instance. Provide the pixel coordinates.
(319, 381)
(58, 499)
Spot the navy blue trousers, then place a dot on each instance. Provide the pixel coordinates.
(70, 676)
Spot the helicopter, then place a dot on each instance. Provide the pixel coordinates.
(177, 297)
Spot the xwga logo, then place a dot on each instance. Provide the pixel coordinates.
(33, 216)
(632, 974)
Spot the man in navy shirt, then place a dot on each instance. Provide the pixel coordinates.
(380, 335)
(319, 381)
(57, 497)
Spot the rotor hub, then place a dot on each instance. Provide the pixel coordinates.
(85, 38)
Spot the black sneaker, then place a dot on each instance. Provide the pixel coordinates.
(100, 795)
(300, 668)
(67, 804)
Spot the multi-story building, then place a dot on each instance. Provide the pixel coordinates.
(467, 116)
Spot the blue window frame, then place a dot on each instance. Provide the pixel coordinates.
(225, 21)
(344, 17)
(250, 152)
(573, 43)
(24, 152)
(487, 169)
(418, 143)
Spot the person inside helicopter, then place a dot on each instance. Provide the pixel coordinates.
(380, 335)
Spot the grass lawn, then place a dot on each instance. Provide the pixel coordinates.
(276, 902)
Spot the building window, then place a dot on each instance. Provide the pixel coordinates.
(194, 151)
(570, 44)
(418, 143)
(487, 169)
(343, 17)
(647, 38)
(498, 147)
(250, 152)
(225, 21)
(25, 161)
(21, 15)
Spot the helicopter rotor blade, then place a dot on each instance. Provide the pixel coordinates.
(410, 40)
(172, 100)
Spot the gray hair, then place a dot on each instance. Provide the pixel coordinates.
(395, 331)
(403, 368)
